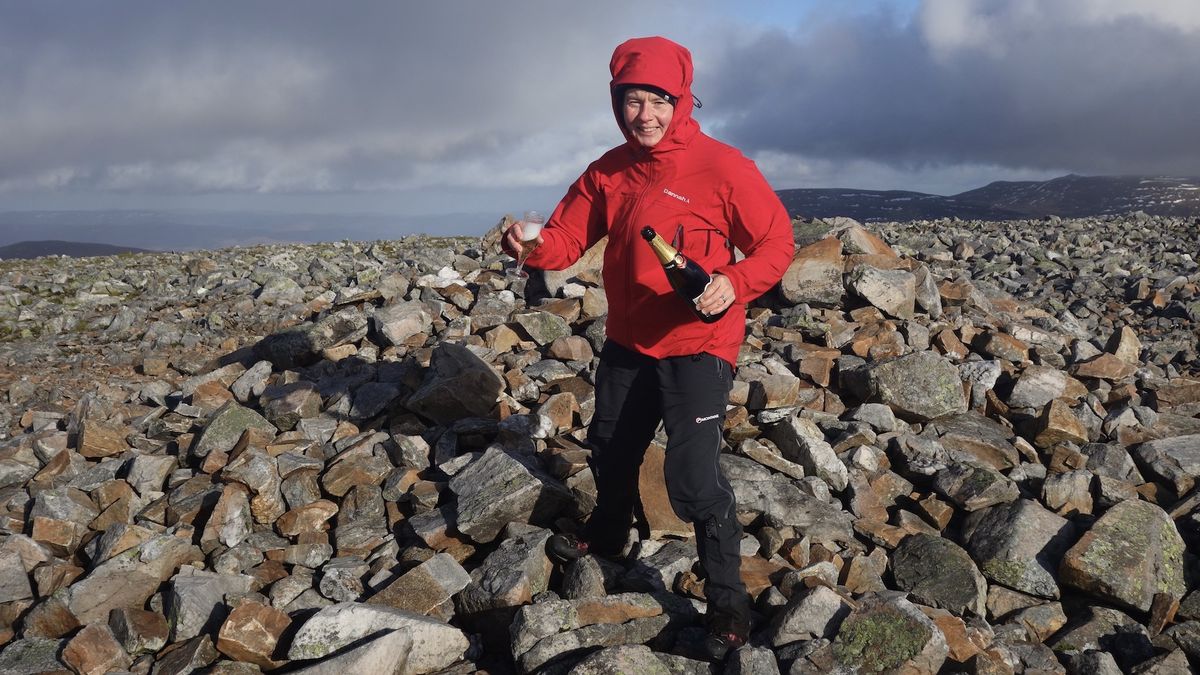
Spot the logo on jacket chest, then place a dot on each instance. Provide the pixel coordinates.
(675, 195)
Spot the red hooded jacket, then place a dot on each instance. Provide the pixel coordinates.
(687, 183)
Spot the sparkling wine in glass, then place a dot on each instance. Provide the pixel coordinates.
(531, 227)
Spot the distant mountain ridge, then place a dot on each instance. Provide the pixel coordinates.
(74, 249)
(1070, 196)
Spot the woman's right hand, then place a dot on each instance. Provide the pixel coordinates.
(513, 243)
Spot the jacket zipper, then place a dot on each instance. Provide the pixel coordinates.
(632, 226)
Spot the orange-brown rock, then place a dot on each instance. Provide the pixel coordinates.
(562, 409)
(936, 511)
(963, 642)
(1057, 424)
(1002, 346)
(98, 439)
(949, 344)
(60, 536)
(859, 240)
(251, 633)
(312, 517)
(94, 651)
(1104, 367)
(211, 395)
(760, 574)
(617, 608)
(652, 486)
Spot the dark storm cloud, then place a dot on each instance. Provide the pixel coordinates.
(296, 95)
(1083, 85)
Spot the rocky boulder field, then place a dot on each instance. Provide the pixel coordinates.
(957, 447)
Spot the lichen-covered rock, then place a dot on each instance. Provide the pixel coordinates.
(387, 652)
(31, 655)
(920, 386)
(226, 427)
(889, 634)
(115, 371)
(1131, 553)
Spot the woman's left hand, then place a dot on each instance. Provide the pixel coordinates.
(717, 297)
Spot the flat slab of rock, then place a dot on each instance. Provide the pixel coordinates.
(129, 578)
(974, 487)
(785, 505)
(544, 631)
(1175, 459)
(426, 586)
(435, 645)
(386, 653)
(978, 436)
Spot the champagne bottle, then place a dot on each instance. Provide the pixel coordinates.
(686, 277)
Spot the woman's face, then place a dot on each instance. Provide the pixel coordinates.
(647, 116)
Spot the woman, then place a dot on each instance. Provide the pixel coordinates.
(660, 362)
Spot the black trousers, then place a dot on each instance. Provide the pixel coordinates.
(688, 394)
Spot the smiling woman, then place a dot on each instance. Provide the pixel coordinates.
(663, 360)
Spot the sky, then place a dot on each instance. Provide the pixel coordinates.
(481, 107)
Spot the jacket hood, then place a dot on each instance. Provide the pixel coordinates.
(661, 63)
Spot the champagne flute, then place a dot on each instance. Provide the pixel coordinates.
(531, 228)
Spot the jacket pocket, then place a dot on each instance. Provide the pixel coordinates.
(703, 243)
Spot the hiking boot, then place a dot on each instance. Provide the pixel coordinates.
(724, 635)
(566, 547)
